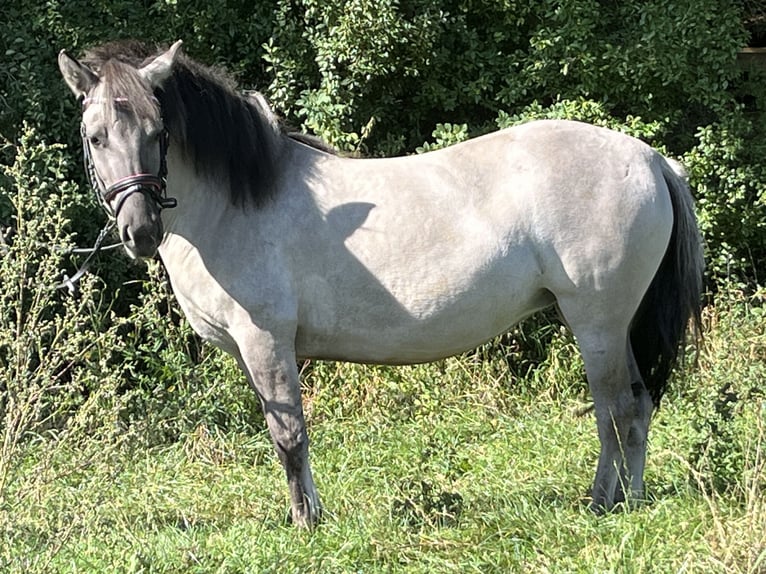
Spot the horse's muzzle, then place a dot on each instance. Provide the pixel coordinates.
(141, 242)
(140, 225)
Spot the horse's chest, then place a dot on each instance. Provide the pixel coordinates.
(205, 319)
(203, 302)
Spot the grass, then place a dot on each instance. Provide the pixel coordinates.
(520, 482)
(436, 468)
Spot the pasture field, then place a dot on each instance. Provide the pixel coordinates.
(459, 466)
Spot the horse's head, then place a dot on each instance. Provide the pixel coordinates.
(125, 142)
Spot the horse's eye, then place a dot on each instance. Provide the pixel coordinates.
(95, 141)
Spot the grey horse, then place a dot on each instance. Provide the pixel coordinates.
(279, 250)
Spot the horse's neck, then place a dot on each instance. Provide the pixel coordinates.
(188, 188)
(205, 214)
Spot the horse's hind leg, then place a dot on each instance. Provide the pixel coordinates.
(603, 342)
(272, 371)
(635, 447)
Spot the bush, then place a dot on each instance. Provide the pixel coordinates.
(55, 349)
(380, 77)
(589, 111)
(383, 76)
(728, 173)
(60, 354)
(408, 65)
(171, 382)
(726, 395)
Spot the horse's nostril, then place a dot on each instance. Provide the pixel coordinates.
(141, 240)
(126, 236)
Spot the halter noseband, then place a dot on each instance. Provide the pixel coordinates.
(155, 186)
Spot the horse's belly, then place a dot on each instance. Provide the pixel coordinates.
(386, 332)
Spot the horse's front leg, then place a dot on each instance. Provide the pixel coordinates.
(271, 369)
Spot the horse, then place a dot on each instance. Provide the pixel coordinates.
(279, 250)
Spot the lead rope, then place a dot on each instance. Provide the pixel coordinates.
(70, 283)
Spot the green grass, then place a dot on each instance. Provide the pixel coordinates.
(218, 504)
(440, 468)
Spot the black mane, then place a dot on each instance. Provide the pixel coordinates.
(216, 127)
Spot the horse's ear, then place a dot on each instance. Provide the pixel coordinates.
(78, 77)
(159, 69)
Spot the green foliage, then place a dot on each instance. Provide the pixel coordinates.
(445, 135)
(727, 397)
(728, 173)
(589, 111)
(70, 360)
(172, 383)
(382, 77)
(55, 350)
(340, 67)
(75, 377)
(657, 58)
(32, 34)
(407, 64)
(46, 339)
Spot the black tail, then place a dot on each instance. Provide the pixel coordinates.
(673, 301)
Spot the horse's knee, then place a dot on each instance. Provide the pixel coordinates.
(292, 445)
(290, 442)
